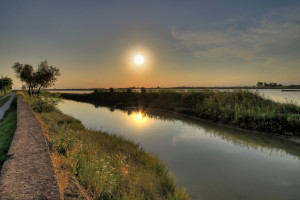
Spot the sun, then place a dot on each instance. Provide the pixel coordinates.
(139, 59)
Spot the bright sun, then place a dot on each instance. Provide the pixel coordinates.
(139, 59)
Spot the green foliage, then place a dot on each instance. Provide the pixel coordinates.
(5, 85)
(109, 166)
(8, 126)
(241, 108)
(45, 102)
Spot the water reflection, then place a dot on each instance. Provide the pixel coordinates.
(211, 161)
(247, 139)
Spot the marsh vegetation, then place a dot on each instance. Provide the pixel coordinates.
(240, 108)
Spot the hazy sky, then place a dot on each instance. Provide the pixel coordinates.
(185, 43)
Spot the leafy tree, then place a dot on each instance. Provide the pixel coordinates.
(44, 77)
(26, 74)
(6, 84)
(260, 84)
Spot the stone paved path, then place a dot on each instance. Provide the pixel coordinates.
(28, 173)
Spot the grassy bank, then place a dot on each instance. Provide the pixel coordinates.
(240, 108)
(107, 166)
(8, 126)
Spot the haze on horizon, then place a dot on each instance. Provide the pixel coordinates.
(185, 43)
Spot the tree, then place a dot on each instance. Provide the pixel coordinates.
(44, 77)
(129, 90)
(143, 90)
(25, 74)
(6, 84)
(259, 84)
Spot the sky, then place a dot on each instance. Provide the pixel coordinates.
(184, 43)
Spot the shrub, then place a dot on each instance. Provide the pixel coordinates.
(45, 102)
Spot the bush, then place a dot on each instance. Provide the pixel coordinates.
(45, 102)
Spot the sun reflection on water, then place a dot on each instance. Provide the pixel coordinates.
(139, 117)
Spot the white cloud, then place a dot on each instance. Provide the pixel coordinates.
(276, 37)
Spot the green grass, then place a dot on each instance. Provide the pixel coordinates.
(240, 108)
(3, 100)
(107, 166)
(7, 129)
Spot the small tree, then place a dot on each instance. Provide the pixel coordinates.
(129, 90)
(259, 84)
(6, 84)
(143, 90)
(23, 87)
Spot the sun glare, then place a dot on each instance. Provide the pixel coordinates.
(139, 59)
(139, 117)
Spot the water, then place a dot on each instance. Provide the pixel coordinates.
(280, 96)
(73, 91)
(209, 160)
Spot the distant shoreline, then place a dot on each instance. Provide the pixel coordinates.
(283, 88)
(294, 90)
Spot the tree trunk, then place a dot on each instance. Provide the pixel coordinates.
(38, 93)
(30, 90)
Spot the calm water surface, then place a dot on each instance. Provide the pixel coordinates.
(210, 161)
(280, 96)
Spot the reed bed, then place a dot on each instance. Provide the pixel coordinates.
(240, 108)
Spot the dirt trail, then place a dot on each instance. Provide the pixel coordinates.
(28, 173)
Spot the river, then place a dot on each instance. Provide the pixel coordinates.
(211, 161)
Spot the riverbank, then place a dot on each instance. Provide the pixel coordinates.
(240, 108)
(107, 166)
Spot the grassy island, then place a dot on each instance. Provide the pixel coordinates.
(240, 108)
(106, 166)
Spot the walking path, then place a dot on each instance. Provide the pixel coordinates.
(6, 106)
(28, 173)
